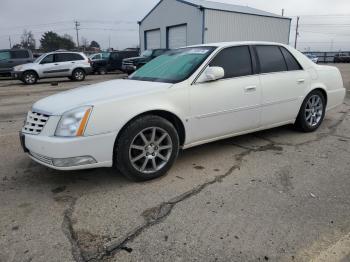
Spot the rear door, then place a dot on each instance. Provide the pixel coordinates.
(5, 61)
(64, 63)
(19, 57)
(283, 84)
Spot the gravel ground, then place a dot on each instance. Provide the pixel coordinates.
(276, 195)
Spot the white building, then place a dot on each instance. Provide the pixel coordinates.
(177, 23)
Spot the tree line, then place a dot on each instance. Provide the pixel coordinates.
(51, 41)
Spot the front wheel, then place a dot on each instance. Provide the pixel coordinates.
(78, 75)
(146, 148)
(312, 112)
(30, 78)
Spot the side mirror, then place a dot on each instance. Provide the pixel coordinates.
(211, 74)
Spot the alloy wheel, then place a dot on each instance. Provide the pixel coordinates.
(79, 75)
(150, 150)
(314, 110)
(30, 78)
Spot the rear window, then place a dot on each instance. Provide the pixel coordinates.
(271, 59)
(65, 57)
(20, 54)
(4, 55)
(292, 63)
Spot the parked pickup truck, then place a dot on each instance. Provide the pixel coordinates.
(10, 58)
(111, 61)
(342, 58)
(134, 63)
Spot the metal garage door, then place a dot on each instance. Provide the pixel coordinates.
(152, 39)
(177, 36)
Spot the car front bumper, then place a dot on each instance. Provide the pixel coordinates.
(70, 153)
(17, 74)
(129, 68)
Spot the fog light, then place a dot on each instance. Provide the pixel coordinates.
(73, 161)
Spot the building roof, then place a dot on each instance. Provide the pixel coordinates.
(222, 7)
(230, 8)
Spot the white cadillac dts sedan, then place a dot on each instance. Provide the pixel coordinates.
(184, 98)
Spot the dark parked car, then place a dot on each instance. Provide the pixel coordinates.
(342, 58)
(111, 61)
(13, 57)
(134, 63)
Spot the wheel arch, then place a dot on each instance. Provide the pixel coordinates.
(31, 70)
(171, 117)
(322, 90)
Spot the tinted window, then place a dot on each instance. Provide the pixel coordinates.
(47, 59)
(4, 55)
(292, 63)
(271, 59)
(65, 57)
(20, 54)
(114, 56)
(235, 61)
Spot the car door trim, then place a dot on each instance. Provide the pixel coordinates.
(227, 111)
(56, 71)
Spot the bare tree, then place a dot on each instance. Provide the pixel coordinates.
(28, 40)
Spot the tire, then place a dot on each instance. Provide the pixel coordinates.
(150, 156)
(29, 78)
(102, 71)
(78, 75)
(312, 112)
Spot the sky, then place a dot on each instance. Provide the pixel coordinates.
(324, 24)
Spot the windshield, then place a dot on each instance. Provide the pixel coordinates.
(146, 53)
(39, 58)
(174, 66)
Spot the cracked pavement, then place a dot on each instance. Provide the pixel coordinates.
(276, 195)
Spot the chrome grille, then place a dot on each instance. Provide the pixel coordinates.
(34, 123)
(128, 63)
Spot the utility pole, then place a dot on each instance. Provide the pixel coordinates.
(296, 33)
(77, 24)
(283, 12)
(10, 41)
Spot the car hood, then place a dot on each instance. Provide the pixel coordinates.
(25, 66)
(94, 94)
(132, 59)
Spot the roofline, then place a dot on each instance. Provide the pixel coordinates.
(270, 16)
(202, 8)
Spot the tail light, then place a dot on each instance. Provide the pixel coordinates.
(89, 60)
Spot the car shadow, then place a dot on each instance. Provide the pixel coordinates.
(90, 179)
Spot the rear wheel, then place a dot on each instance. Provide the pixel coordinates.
(146, 148)
(78, 75)
(29, 78)
(102, 71)
(312, 112)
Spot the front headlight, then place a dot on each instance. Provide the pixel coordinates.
(18, 68)
(73, 122)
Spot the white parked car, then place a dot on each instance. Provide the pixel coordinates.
(184, 98)
(73, 65)
(313, 58)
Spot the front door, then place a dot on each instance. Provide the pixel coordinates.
(230, 105)
(48, 66)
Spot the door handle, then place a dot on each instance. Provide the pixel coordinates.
(250, 89)
(56, 64)
(299, 81)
